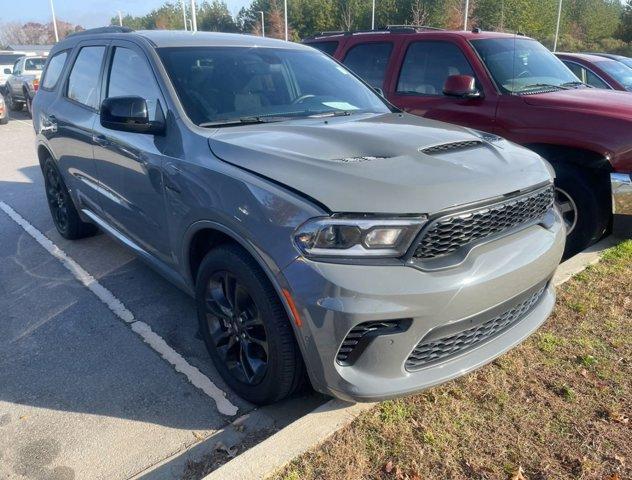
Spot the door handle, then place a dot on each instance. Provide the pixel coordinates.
(100, 140)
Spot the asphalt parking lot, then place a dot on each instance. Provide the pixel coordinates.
(83, 392)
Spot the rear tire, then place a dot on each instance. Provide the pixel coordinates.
(583, 203)
(239, 311)
(13, 105)
(62, 209)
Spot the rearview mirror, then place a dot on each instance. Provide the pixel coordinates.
(8, 71)
(463, 86)
(129, 114)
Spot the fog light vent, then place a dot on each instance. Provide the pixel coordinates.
(361, 335)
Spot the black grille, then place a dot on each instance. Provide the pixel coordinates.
(447, 147)
(451, 232)
(428, 352)
(360, 331)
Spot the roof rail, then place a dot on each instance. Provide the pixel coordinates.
(109, 29)
(387, 29)
(412, 27)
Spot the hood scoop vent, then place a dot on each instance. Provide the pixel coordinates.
(450, 147)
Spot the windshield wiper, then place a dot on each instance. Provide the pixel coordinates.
(242, 121)
(534, 86)
(575, 83)
(332, 113)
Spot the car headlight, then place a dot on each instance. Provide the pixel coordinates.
(357, 236)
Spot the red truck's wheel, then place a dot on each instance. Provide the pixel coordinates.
(583, 205)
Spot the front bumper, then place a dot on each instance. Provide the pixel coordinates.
(621, 184)
(333, 298)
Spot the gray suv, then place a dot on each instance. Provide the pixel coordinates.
(319, 229)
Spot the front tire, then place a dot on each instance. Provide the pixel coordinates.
(62, 209)
(245, 327)
(583, 205)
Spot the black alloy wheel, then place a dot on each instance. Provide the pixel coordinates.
(245, 327)
(58, 200)
(236, 328)
(65, 216)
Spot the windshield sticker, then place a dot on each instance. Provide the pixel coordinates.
(340, 105)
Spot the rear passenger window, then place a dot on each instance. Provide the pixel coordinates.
(83, 82)
(54, 69)
(595, 81)
(369, 60)
(130, 75)
(327, 47)
(427, 65)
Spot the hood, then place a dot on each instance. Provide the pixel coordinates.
(376, 163)
(590, 100)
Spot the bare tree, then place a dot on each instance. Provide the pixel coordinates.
(33, 33)
(419, 12)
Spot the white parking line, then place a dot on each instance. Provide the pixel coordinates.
(197, 378)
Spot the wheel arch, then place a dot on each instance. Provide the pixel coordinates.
(580, 157)
(202, 236)
(43, 152)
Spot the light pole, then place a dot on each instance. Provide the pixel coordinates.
(193, 16)
(467, 11)
(52, 9)
(373, 16)
(120, 15)
(184, 15)
(263, 27)
(285, 16)
(557, 27)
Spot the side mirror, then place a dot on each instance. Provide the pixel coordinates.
(129, 114)
(379, 91)
(462, 86)
(7, 71)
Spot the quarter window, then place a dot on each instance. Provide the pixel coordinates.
(54, 69)
(595, 81)
(427, 65)
(130, 75)
(369, 60)
(83, 82)
(327, 47)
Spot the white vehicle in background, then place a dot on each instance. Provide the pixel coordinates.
(23, 82)
(4, 115)
(7, 60)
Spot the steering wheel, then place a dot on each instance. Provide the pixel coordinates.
(302, 98)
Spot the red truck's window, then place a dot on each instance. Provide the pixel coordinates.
(427, 65)
(327, 47)
(369, 61)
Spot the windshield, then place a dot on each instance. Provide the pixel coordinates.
(618, 71)
(227, 84)
(521, 65)
(626, 61)
(34, 63)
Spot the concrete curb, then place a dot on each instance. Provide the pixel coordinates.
(277, 451)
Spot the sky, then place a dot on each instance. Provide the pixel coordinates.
(88, 13)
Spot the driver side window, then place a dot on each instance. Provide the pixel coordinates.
(131, 76)
(427, 66)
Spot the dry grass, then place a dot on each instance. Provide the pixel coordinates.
(555, 407)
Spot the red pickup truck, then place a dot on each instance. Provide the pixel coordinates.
(513, 87)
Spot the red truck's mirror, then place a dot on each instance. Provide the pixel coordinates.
(463, 86)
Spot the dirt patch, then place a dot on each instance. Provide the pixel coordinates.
(558, 406)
